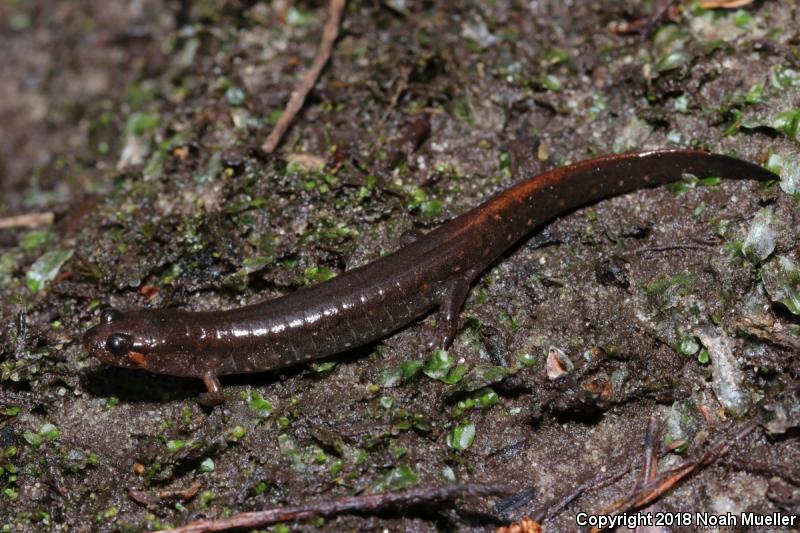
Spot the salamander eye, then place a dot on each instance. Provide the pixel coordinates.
(119, 343)
(109, 314)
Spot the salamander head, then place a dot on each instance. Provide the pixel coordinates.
(154, 340)
(116, 340)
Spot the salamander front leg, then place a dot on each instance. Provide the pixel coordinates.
(214, 395)
(449, 310)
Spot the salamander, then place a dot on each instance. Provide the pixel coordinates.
(432, 273)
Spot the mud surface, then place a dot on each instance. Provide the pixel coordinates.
(137, 125)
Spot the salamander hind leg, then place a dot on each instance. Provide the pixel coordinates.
(214, 395)
(447, 318)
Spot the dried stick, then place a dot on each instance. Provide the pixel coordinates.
(298, 97)
(357, 504)
(28, 220)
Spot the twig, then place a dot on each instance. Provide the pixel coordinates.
(650, 455)
(360, 504)
(652, 490)
(150, 501)
(298, 97)
(28, 220)
(556, 505)
(667, 248)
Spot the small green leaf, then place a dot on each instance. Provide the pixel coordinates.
(319, 368)
(784, 78)
(672, 61)
(235, 96)
(438, 365)
(549, 82)
(789, 123)
(556, 56)
(712, 181)
(318, 274)
(34, 239)
(670, 35)
(781, 278)
(175, 445)
(688, 346)
(682, 104)
(258, 404)
(207, 465)
(679, 188)
(431, 208)
(742, 18)
(760, 241)
(390, 377)
(788, 168)
(32, 438)
(46, 268)
(462, 436)
(398, 478)
(298, 17)
(455, 375)
(486, 398)
(139, 123)
(481, 376)
(755, 95)
(48, 432)
(11, 410)
(410, 369)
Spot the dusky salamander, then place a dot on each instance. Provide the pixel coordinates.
(434, 272)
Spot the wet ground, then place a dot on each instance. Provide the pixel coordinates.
(137, 126)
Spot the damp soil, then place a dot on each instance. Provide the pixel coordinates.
(137, 125)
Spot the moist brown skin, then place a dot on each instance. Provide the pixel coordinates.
(366, 303)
